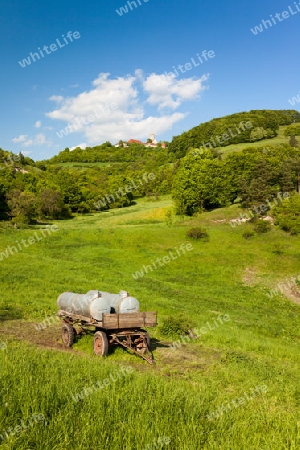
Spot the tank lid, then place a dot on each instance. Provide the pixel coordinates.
(93, 294)
(124, 294)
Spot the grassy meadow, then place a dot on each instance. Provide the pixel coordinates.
(199, 395)
(279, 139)
(82, 165)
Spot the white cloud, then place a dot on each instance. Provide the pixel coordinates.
(56, 98)
(27, 143)
(83, 146)
(26, 152)
(167, 91)
(21, 138)
(129, 129)
(74, 86)
(114, 109)
(38, 124)
(39, 139)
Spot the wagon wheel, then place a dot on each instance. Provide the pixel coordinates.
(100, 344)
(68, 334)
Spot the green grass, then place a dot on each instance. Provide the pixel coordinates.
(279, 139)
(82, 164)
(227, 275)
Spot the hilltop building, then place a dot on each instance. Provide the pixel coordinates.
(152, 142)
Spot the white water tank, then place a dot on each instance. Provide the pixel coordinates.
(122, 302)
(91, 304)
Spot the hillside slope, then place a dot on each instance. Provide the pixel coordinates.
(242, 371)
(255, 125)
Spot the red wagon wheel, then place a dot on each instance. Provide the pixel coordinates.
(68, 334)
(100, 344)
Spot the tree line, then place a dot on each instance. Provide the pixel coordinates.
(251, 177)
(32, 191)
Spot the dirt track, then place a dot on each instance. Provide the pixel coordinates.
(21, 330)
(178, 361)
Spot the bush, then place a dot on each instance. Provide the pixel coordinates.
(198, 233)
(262, 226)
(292, 130)
(8, 312)
(293, 142)
(288, 214)
(278, 249)
(248, 234)
(169, 217)
(176, 326)
(21, 221)
(22, 206)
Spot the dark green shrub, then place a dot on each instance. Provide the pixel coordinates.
(288, 214)
(247, 234)
(278, 249)
(198, 233)
(176, 326)
(8, 312)
(262, 226)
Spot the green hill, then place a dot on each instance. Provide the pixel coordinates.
(244, 127)
(280, 138)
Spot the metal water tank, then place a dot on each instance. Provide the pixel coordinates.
(122, 302)
(91, 304)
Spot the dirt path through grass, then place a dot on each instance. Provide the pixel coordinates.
(171, 361)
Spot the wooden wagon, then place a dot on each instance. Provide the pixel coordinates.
(126, 330)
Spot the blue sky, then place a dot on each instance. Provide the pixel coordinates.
(115, 82)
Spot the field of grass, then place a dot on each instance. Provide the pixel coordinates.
(236, 387)
(279, 139)
(83, 165)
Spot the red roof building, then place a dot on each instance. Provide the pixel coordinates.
(134, 141)
(152, 143)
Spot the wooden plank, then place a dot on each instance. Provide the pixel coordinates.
(110, 321)
(77, 318)
(129, 320)
(116, 321)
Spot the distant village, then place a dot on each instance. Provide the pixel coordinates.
(151, 142)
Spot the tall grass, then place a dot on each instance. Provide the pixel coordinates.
(258, 346)
(139, 408)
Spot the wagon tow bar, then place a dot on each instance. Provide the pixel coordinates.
(122, 343)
